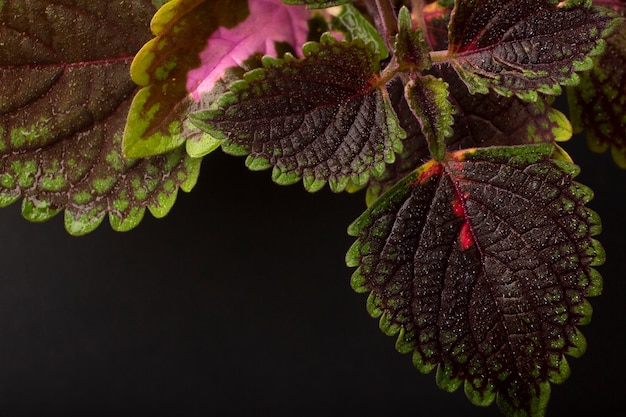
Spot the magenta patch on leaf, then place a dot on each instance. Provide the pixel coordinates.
(269, 21)
(465, 236)
(482, 271)
(457, 207)
(466, 239)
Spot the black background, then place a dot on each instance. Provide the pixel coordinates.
(239, 303)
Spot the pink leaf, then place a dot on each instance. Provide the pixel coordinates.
(269, 21)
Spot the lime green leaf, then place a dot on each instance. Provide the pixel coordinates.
(480, 264)
(355, 26)
(196, 42)
(528, 46)
(64, 96)
(320, 118)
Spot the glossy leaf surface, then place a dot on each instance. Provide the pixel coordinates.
(320, 118)
(480, 264)
(598, 104)
(524, 47)
(196, 42)
(64, 96)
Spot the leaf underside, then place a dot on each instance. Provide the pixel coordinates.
(157, 121)
(524, 47)
(64, 97)
(196, 42)
(480, 264)
(320, 118)
(598, 104)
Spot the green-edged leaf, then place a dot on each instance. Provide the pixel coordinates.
(481, 264)
(157, 121)
(598, 104)
(318, 4)
(320, 118)
(196, 42)
(355, 26)
(427, 97)
(524, 47)
(481, 120)
(64, 96)
(410, 48)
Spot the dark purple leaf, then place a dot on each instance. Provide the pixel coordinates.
(320, 118)
(480, 264)
(524, 47)
(597, 104)
(195, 43)
(65, 91)
(481, 120)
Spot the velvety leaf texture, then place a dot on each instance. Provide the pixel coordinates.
(410, 48)
(428, 99)
(320, 118)
(598, 104)
(526, 46)
(480, 120)
(480, 264)
(64, 95)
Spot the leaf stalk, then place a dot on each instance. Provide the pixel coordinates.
(439, 57)
(388, 20)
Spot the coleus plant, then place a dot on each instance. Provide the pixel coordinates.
(476, 249)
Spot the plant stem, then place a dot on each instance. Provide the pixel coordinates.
(388, 20)
(440, 57)
(390, 71)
